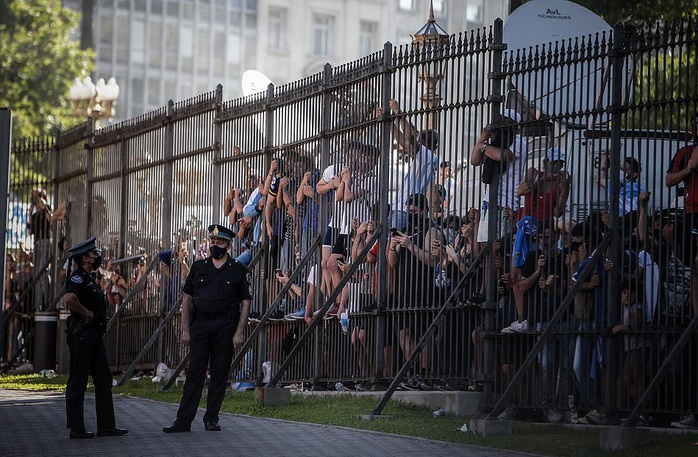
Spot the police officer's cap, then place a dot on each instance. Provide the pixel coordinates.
(221, 232)
(84, 247)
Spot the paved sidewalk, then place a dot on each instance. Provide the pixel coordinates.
(33, 424)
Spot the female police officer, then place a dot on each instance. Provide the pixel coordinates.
(88, 356)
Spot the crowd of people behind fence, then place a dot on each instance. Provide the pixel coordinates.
(433, 252)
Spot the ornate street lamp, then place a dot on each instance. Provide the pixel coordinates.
(96, 101)
(429, 43)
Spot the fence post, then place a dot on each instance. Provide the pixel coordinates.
(5, 151)
(89, 143)
(613, 276)
(217, 140)
(165, 288)
(265, 298)
(324, 205)
(489, 307)
(384, 183)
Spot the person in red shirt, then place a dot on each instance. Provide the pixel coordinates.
(682, 169)
(546, 192)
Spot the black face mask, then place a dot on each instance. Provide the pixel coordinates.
(96, 262)
(217, 252)
(34, 199)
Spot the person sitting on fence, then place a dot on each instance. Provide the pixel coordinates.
(250, 225)
(420, 152)
(308, 208)
(335, 240)
(296, 165)
(546, 192)
(448, 183)
(629, 190)
(274, 225)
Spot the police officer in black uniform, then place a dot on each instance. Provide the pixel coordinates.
(215, 305)
(88, 356)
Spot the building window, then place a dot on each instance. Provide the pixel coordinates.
(171, 46)
(219, 54)
(122, 39)
(277, 29)
(407, 5)
(233, 49)
(173, 9)
(154, 92)
(473, 12)
(367, 37)
(138, 42)
(186, 48)
(322, 35)
(203, 49)
(439, 8)
(155, 45)
(137, 89)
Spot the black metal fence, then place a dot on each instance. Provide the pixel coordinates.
(370, 189)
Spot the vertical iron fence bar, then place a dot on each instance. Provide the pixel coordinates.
(489, 307)
(89, 141)
(323, 215)
(5, 152)
(217, 144)
(613, 293)
(265, 260)
(384, 191)
(167, 208)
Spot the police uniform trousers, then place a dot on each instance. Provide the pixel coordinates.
(88, 356)
(211, 341)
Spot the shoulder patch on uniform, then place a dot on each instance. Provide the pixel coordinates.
(249, 277)
(77, 279)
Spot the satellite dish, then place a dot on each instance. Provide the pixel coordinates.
(254, 82)
(569, 88)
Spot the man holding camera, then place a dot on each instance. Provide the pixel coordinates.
(215, 305)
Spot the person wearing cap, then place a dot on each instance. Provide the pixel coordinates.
(88, 356)
(216, 303)
(546, 192)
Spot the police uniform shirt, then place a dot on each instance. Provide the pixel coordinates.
(218, 291)
(91, 297)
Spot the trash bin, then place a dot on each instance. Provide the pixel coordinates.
(45, 326)
(62, 345)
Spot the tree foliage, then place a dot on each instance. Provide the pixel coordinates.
(644, 14)
(39, 59)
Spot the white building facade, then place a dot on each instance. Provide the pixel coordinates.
(175, 49)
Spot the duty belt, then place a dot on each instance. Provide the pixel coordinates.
(212, 316)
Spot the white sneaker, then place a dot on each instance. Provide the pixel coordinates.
(508, 414)
(516, 327)
(689, 422)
